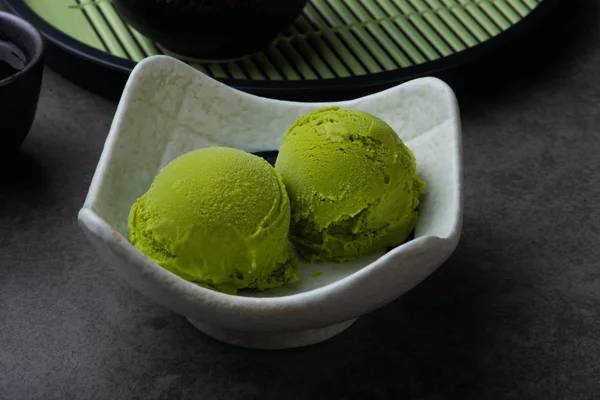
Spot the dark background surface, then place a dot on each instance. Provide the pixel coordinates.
(514, 314)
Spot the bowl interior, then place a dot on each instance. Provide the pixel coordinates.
(169, 109)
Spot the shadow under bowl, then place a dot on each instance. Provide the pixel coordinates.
(19, 90)
(210, 29)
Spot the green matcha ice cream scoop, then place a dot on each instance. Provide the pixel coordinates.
(351, 182)
(218, 217)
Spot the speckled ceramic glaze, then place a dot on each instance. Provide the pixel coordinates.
(168, 108)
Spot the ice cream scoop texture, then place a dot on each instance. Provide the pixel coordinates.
(351, 182)
(218, 217)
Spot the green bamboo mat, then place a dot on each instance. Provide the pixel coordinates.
(331, 39)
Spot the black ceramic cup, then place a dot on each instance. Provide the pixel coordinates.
(210, 29)
(21, 69)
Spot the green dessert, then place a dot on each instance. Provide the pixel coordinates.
(351, 182)
(218, 217)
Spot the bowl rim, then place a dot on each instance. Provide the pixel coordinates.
(37, 55)
(88, 217)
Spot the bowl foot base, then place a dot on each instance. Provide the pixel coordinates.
(271, 340)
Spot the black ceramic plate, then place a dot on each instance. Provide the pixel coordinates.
(336, 49)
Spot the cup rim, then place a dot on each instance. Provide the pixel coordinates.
(38, 49)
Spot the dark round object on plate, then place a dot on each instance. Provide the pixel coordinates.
(210, 29)
(21, 69)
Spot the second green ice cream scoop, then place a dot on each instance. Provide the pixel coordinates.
(351, 182)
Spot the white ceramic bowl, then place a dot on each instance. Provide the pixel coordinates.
(169, 108)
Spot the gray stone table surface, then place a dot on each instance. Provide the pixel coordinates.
(513, 314)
